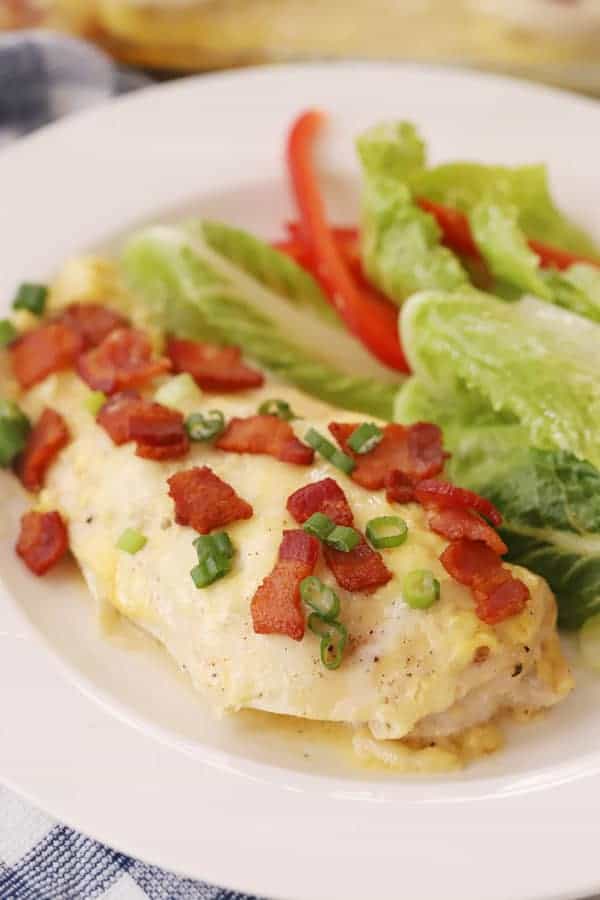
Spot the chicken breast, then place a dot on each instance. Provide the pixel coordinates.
(417, 675)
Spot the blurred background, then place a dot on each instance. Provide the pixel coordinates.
(555, 41)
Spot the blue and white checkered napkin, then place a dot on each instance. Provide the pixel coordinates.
(44, 76)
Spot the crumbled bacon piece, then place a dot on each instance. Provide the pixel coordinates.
(502, 601)
(91, 322)
(158, 430)
(123, 360)
(203, 501)
(265, 434)
(399, 488)
(214, 368)
(277, 605)
(47, 349)
(498, 594)
(471, 563)
(324, 496)
(42, 540)
(415, 450)
(115, 415)
(361, 569)
(45, 441)
(442, 493)
(455, 523)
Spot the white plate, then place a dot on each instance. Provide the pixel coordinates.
(111, 739)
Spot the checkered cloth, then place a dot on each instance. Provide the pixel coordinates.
(44, 76)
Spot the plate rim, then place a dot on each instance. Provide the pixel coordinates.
(33, 640)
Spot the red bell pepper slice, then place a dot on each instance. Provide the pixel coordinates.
(372, 319)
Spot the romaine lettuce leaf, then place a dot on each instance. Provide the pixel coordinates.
(400, 244)
(504, 247)
(471, 350)
(550, 502)
(517, 269)
(208, 281)
(462, 185)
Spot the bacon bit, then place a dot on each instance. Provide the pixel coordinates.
(203, 501)
(324, 496)
(45, 441)
(498, 594)
(123, 360)
(362, 569)
(265, 434)
(47, 349)
(415, 450)
(91, 322)
(42, 540)
(442, 493)
(115, 415)
(277, 606)
(214, 368)
(472, 563)
(506, 600)
(158, 431)
(399, 488)
(455, 523)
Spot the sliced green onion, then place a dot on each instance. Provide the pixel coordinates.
(420, 589)
(8, 332)
(131, 541)
(343, 538)
(319, 443)
(204, 428)
(215, 553)
(14, 430)
(333, 639)
(342, 461)
(31, 297)
(319, 525)
(279, 408)
(320, 597)
(218, 544)
(94, 402)
(365, 438)
(179, 392)
(222, 544)
(387, 531)
(209, 571)
(589, 642)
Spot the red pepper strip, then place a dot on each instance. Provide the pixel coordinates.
(455, 227)
(42, 540)
(554, 257)
(375, 323)
(277, 605)
(442, 493)
(457, 235)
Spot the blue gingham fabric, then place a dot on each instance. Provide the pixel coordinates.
(44, 76)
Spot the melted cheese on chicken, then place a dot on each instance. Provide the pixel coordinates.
(407, 674)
